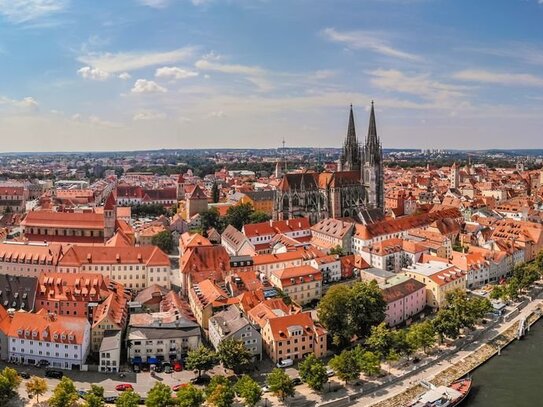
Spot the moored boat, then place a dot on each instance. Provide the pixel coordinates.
(444, 396)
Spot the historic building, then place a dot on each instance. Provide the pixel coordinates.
(356, 190)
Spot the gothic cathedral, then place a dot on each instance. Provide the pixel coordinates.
(355, 191)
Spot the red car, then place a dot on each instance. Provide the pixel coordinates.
(124, 387)
(177, 367)
(179, 386)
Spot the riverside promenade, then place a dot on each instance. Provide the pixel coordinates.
(450, 367)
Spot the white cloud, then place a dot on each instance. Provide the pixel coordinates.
(208, 65)
(369, 41)
(218, 114)
(129, 61)
(155, 3)
(173, 72)
(146, 86)
(21, 11)
(26, 104)
(93, 73)
(125, 76)
(148, 115)
(420, 85)
(500, 78)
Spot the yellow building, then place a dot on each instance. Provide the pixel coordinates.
(439, 279)
(262, 201)
(302, 284)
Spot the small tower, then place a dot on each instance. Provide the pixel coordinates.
(110, 216)
(278, 170)
(455, 176)
(350, 156)
(372, 169)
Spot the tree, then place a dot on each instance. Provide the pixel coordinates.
(160, 395)
(97, 390)
(92, 400)
(499, 292)
(368, 362)
(367, 307)
(9, 382)
(313, 372)
(445, 325)
(219, 392)
(163, 240)
(211, 219)
(259, 217)
(234, 355)
(239, 215)
(190, 396)
(333, 313)
(201, 359)
(380, 340)
(64, 395)
(421, 335)
(280, 384)
(128, 398)
(346, 366)
(248, 390)
(215, 193)
(337, 251)
(36, 387)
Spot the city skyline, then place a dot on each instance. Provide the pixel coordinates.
(153, 74)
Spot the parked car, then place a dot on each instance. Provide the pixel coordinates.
(330, 372)
(200, 380)
(82, 393)
(43, 363)
(179, 386)
(24, 375)
(54, 374)
(265, 389)
(177, 366)
(136, 368)
(110, 399)
(168, 369)
(297, 381)
(285, 363)
(124, 387)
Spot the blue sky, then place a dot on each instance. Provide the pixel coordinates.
(140, 74)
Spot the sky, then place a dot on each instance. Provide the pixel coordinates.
(79, 75)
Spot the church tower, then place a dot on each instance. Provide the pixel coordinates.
(455, 176)
(110, 216)
(372, 169)
(350, 156)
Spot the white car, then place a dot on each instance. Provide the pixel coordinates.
(285, 363)
(330, 372)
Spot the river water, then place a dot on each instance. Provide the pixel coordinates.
(514, 379)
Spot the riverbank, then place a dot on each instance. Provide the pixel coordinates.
(459, 365)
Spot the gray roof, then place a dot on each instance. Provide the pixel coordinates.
(261, 195)
(18, 292)
(379, 272)
(135, 334)
(229, 321)
(111, 341)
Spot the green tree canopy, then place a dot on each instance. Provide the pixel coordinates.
(367, 307)
(215, 192)
(36, 387)
(160, 395)
(234, 355)
(64, 395)
(421, 335)
(163, 240)
(9, 383)
(211, 219)
(259, 217)
(334, 314)
(128, 398)
(368, 362)
(248, 390)
(220, 392)
(280, 384)
(346, 366)
(190, 396)
(201, 359)
(313, 372)
(239, 215)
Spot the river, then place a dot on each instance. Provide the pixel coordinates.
(514, 378)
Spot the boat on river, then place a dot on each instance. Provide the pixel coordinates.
(443, 396)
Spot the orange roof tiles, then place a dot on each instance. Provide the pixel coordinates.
(64, 220)
(81, 255)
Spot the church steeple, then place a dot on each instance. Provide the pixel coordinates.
(372, 172)
(350, 157)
